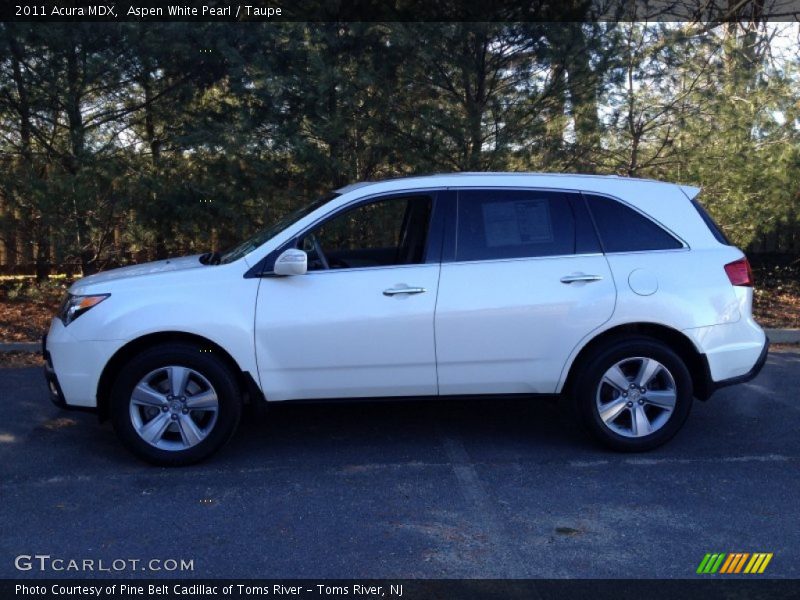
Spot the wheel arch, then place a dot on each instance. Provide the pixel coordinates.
(247, 384)
(695, 361)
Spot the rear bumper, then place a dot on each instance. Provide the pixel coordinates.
(730, 353)
(709, 386)
(751, 374)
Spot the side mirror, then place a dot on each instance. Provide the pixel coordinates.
(291, 262)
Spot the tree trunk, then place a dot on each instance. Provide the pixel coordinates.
(571, 57)
(582, 85)
(75, 160)
(555, 123)
(163, 226)
(23, 106)
(43, 258)
(25, 164)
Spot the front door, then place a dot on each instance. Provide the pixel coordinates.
(360, 322)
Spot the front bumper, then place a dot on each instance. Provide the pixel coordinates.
(53, 386)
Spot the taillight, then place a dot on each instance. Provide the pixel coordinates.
(739, 272)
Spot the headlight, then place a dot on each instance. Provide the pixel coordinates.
(74, 306)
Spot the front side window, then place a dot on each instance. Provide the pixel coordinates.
(497, 224)
(382, 233)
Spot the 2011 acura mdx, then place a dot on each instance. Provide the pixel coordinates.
(620, 295)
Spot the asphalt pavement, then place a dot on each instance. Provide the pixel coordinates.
(489, 489)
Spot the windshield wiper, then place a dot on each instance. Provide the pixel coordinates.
(210, 258)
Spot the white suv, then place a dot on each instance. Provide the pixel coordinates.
(619, 294)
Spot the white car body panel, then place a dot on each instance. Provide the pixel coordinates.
(508, 326)
(480, 327)
(213, 303)
(160, 266)
(731, 348)
(335, 334)
(79, 364)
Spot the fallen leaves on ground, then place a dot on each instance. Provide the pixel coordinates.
(777, 310)
(26, 308)
(776, 301)
(14, 360)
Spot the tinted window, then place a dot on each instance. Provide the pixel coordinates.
(586, 241)
(711, 224)
(496, 224)
(622, 229)
(382, 233)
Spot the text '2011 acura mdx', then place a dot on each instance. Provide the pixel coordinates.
(619, 295)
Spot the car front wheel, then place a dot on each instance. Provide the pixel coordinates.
(175, 405)
(634, 395)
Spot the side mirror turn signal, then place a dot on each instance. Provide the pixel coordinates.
(291, 262)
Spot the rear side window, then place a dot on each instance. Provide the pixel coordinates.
(496, 224)
(622, 229)
(712, 226)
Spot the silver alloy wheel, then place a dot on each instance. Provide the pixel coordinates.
(636, 397)
(174, 408)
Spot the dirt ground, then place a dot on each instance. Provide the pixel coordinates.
(14, 360)
(26, 308)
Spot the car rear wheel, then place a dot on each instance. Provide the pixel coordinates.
(634, 395)
(175, 405)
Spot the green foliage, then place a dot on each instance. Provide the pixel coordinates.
(127, 142)
(28, 290)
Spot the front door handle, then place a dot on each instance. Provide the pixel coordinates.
(580, 277)
(403, 290)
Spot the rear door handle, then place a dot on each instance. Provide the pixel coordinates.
(403, 290)
(580, 277)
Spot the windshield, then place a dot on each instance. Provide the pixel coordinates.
(266, 234)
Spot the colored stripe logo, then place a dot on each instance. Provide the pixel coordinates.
(734, 562)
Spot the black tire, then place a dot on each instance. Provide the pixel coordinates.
(588, 380)
(209, 366)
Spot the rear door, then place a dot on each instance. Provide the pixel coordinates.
(523, 280)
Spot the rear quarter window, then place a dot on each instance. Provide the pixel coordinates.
(715, 229)
(623, 229)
